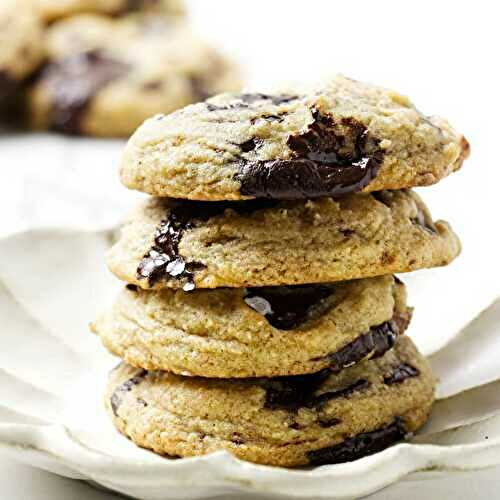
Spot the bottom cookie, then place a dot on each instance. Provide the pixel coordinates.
(286, 421)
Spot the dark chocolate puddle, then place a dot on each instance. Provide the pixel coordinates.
(331, 158)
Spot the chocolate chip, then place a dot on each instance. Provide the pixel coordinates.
(237, 439)
(375, 343)
(332, 157)
(268, 118)
(250, 145)
(383, 197)
(242, 101)
(8, 85)
(319, 402)
(277, 100)
(400, 373)
(286, 307)
(329, 422)
(292, 393)
(346, 232)
(117, 397)
(73, 82)
(142, 402)
(163, 259)
(424, 221)
(132, 288)
(359, 446)
(397, 280)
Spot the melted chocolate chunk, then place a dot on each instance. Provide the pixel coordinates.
(286, 307)
(73, 82)
(398, 280)
(319, 402)
(268, 118)
(375, 343)
(329, 422)
(359, 446)
(423, 221)
(331, 158)
(383, 197)
(117, 397)
(275, 99)
(164, 260)
(400, 373)
(250, 145)
(292, 393)
(243, 101)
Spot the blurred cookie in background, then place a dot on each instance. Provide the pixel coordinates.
(52, 10)
(22, 46)
(105, 76)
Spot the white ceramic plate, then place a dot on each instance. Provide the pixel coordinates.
(52, 372)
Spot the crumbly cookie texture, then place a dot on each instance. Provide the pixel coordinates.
(168, 243)
(106, 76)
(289, 421)
(52, 10)
(21, 41)
(256, 332)
(343, 137)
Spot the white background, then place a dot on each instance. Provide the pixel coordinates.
(443, 54)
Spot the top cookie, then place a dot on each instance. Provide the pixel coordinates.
(345, 137)
(57, 9)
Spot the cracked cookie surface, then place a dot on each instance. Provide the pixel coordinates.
(105, 76)
(344, 137)
(186, 244)
(287, 421)
(257, 332)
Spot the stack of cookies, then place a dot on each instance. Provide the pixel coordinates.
(261, 313)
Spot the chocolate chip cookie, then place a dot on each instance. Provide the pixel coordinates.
(187, 244)
(344, 137)
(256, 332)
(105, 76)
(22, 45)
(57, 9)
(287, 421)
